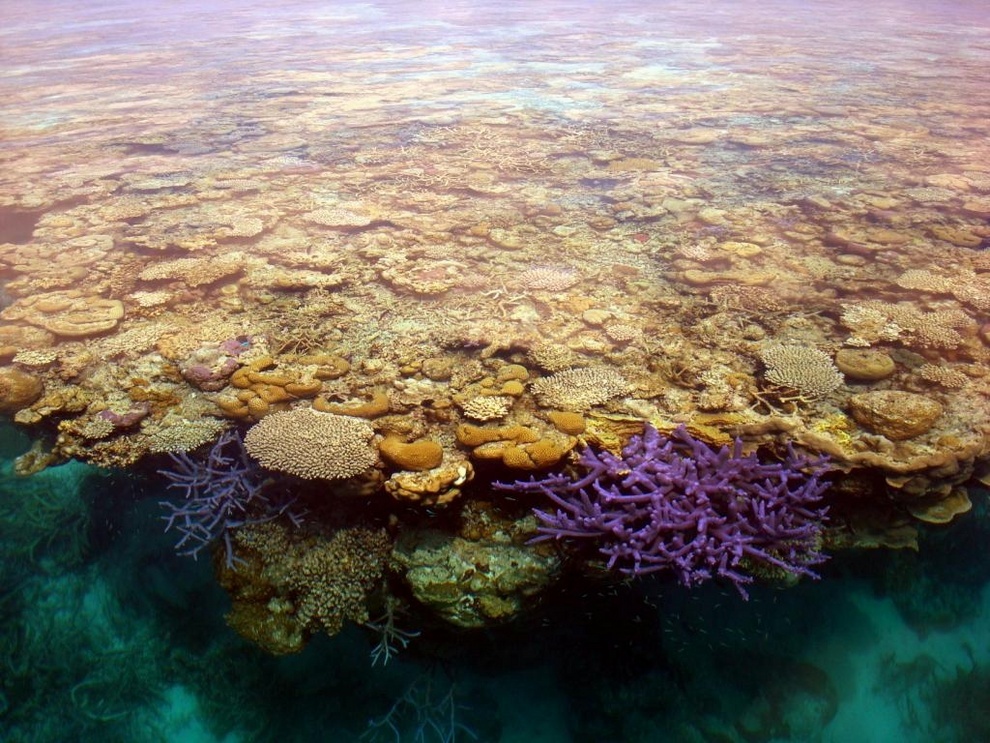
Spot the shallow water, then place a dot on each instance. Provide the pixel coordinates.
(393, 205)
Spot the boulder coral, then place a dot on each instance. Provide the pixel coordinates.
(896, 414)
(472, 583)
(416, 456)
(18, 389)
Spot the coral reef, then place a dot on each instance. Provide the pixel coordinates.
(223, 491)
(405, 302)
(310, 444)
(673, 266)
(672, 504)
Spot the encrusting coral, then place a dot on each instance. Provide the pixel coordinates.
(472, 583)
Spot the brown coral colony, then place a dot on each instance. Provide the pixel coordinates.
(453, 297)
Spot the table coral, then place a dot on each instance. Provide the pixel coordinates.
(579, 389)
(807, 371)
(310, 444)
(70, 314)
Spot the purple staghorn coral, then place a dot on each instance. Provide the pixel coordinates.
(222, 492)
(672, 503)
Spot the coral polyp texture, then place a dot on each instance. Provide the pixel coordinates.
(313, 445)
(580, 389)
(296, 582)
(673, 504)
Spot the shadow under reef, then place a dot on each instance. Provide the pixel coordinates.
(107, 634)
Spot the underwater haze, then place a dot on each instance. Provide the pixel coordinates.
(511, 372)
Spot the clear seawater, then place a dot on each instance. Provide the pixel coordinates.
(107, 635)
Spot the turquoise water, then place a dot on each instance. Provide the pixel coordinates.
(107, 635)
(416, 214)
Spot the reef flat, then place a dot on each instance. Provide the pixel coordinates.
(409, 257)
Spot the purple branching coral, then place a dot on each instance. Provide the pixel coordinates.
(672, 503)
(223, 491)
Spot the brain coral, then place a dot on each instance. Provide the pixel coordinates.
(313, 445)
(579, 389)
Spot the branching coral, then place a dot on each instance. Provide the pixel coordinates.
(673, 504)
(298, 582)
(580, 389)
(807, 371)
(223, 491)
